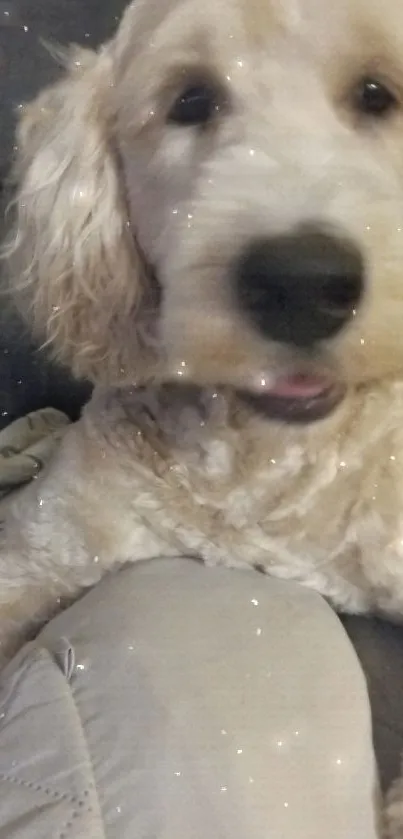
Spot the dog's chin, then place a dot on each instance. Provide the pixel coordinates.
(296, 399)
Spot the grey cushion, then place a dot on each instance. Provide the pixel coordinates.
(179, 701)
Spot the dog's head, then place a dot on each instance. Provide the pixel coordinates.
(217, 197)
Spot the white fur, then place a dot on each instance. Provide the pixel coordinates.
(108, 189)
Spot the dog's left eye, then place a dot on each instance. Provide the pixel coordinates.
(198, 104)
(373, 98)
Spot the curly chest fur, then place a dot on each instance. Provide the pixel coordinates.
(324, 508)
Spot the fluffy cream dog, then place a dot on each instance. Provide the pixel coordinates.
(210, 227)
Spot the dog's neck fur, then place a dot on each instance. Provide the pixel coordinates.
(191, 425)
(260, 493)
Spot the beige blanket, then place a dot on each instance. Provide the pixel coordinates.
(27, 445)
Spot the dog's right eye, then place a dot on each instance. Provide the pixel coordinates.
(198, 104)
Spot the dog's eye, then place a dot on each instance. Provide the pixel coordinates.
(373, 98)
(197, 105)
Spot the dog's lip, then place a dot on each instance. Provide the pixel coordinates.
(299, 397)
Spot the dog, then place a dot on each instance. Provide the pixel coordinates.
(209, 228)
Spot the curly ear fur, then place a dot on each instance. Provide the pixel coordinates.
(75, 269)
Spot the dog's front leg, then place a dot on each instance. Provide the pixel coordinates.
(60, 535)
(44, 566)
(45, 549)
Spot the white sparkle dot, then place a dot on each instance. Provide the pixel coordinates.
(392, 457)
(223, 789)
(362, 341)
(285, 803)
(342, 464)
(258, 631)
(254, 601)
(239, 751)
(273, 461)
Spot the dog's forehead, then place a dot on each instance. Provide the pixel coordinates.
(323, 22)
(265, 19)
(336, 39)
(322, 33)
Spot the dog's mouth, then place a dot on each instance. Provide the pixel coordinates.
(296, 398)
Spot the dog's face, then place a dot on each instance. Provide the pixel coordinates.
(252, 152)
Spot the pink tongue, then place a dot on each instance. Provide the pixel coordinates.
(300, 386)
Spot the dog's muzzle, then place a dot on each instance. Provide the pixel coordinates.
(299, 289)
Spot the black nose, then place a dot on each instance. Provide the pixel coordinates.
(299, 289)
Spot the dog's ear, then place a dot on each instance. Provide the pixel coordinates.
(74, 266)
